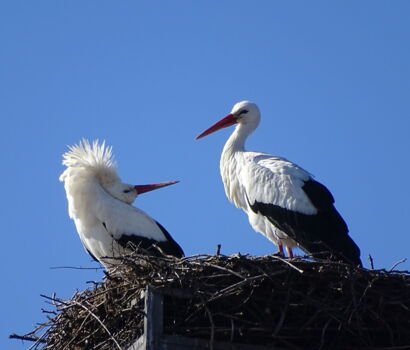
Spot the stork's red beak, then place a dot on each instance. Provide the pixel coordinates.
(229, 120)
(146, 188)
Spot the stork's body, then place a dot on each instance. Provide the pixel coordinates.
(100, 205)
(282, 200)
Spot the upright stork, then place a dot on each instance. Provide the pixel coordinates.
(100, 205)
(282, 200)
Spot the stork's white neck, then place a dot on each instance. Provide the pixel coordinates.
(236, 142)
(231, 159)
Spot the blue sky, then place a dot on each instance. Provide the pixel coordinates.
(332, 79)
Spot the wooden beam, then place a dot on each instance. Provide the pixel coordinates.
(155, 339)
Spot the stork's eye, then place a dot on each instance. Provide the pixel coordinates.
(244, 111)
(126, 191)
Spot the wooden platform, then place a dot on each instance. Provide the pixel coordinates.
(154, 337)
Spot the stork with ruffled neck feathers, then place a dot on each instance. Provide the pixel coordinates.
(100, 205)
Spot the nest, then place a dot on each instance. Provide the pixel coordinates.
(279, 303)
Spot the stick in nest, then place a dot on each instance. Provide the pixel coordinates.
(100, 322)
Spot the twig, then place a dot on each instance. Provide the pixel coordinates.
(403, 347)
(55, 300)
(371, 262)
(283, 315)
(26, 337)
(211, 321)
(81, 326)
(398, 263)
(75, 268)
(322, 338)
(232, 330)
(99, 321)
(287, 262)
(39, 340)
(235, 285)
(227, 270)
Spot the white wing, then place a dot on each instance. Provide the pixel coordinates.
(274, 180)
(122, 219)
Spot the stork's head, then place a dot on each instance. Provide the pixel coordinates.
(244, 113)
(94, 163)
(127, 193)
(124, 192)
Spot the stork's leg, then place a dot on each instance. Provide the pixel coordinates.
(290, 253)
(280, 250)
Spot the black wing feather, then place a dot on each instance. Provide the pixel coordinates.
(169, 247)
(324, 234)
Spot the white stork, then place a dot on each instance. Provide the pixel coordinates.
(282, 200)
(100, 205)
